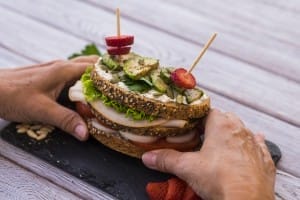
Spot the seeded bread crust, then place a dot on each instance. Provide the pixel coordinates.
(117, 143)
(147, 131)
(169, 110)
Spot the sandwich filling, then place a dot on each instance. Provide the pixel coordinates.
(141, 78)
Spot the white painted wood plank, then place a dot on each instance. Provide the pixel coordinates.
(287, 187)
(47, 171)
(9, 59)
(18, 183)
(38, 42)
(253, 87)
(277, 131)
(260, 34)
(286, 184)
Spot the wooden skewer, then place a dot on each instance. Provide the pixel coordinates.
(118, 22)
(202, 52)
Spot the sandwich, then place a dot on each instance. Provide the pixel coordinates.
(132, 104)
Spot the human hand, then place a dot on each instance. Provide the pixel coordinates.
(232, 163)
(29, 94)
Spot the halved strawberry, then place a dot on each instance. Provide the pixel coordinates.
(157, 190)
(119, 41)
(176, 188)
(118, 50)
(183, 79)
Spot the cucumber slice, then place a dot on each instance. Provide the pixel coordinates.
(157, 82)
(109, 62)
(193, 94)
(165, 75)
(138, 67)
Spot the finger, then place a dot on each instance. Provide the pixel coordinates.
(92, 58)
(63, 118)
(165, 160)
(69, 72)
(260, 140)
(37, 65)
(234, 117)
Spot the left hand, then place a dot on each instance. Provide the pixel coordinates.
(29, 94)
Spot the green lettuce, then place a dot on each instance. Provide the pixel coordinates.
(90, 49)
(91, 93)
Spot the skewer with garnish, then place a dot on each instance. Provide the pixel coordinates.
(119, 44)
(183, 78)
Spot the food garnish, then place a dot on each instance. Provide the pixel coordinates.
(119, 41)
(183, 79)
(118, 50)
(119, 44)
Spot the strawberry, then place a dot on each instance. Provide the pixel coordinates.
(183, 79)
(118, 50)
(189, 194)
(119, 41)
(157, 191)
(176, 188)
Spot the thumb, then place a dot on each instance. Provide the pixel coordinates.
(165, 160)
(65, 119)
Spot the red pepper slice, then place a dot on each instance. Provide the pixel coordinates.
(119, 41)
(118, 50)
(183, 79)
(84, 110)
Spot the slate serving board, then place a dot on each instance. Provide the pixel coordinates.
(121, 176)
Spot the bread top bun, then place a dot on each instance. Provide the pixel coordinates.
(151, 106)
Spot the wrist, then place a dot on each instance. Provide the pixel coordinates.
(249, 194)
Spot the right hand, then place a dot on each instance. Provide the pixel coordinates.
(232, 163)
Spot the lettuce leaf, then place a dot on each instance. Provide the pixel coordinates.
(90, 49)
(91, 93)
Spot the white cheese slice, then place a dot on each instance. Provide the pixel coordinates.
(120, 118)
(138, 138)
(76, 93)
(182, 138)
(99, 126)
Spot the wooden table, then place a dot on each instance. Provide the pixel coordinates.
(252, 69)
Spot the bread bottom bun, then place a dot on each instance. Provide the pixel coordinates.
(116, 142)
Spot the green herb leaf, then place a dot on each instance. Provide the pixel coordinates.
(90, 49)
(136, 85)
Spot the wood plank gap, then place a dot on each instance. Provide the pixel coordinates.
(143, 23)
(18, 53)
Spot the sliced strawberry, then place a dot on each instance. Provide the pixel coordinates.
(189, 194)
(119, 41)
(183, 79)
(84, 110)
(176, 188)
(157, 190)
(118, 50)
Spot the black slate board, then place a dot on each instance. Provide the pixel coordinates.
(121, 176)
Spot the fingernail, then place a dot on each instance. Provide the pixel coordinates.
(149, 159)
(80, 132)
